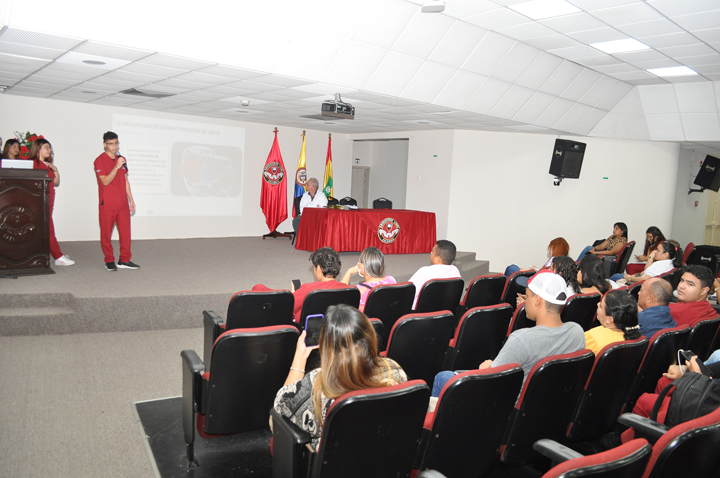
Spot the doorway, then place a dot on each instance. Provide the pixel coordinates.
(360, 185)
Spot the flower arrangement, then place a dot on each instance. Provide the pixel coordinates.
(26, 140)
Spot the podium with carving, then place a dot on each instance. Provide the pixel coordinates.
(24, 222)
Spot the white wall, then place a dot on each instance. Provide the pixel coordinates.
(503, 204)
(688, 219)
(75, 131)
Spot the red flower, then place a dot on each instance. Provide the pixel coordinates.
(24, 151)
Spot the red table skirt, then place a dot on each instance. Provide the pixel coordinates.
(393, 231)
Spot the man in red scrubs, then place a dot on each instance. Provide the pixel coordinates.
(116, 203)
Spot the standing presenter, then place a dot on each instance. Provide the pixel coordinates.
(116, 203)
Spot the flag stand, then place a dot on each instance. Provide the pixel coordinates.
(275, 233)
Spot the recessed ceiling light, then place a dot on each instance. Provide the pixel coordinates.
(673, 71)
(620, 46)
(93, 62)
(541, 9)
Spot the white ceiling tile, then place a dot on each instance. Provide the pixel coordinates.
(7, 81)
(458, 91)
(422, 34)
(658, 99)
(526, 31)
(661, 63)
(30, 51)
(33, 63)
(512, 102)
(645, 81)
(111, 51)
(26, 92)
(634, 75)
(70, 72)
(585, 82)
(693, 61)
(32, 38)
(427, 83)
(669, 40)
(700, 126)
(324, 89)
(654, 27)
(250, 85)
(271, 80)
(635, 127)
(672, 7)
(592, 5)
(595, 61)
(517, 62)
(534, 107)
(626, 14)
(52, 79)
(576, 22)
(573, 117)
(615, 68)
(134, 77)
(541, 69)
(158, 71)
(393, 74)
(588, 123)
(551, 42)
(179, 85)
(645, 55)
(699, 21)
(487, 96)
(573, 52)
(466, 8)
(598, 36)
(708, 35)
(554, 112)
(499, 18)
(609, 126)
(308, 56)
(354, 65)
(457, 44)
(383, 22)
(695, 97)
(681, 51)
(704, 69)
(176, 62)
(489, 53)
(561, 78)
(230, 72)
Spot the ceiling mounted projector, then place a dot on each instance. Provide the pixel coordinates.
(337, 109)
(433, 6)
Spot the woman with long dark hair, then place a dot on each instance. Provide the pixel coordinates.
(653, 238)
(11, 150)
(610, 246)
(663, 259)
(41, 154)
(349, 361)
(592, 276)
(618, 317)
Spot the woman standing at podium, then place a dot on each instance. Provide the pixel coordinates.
(41, 154)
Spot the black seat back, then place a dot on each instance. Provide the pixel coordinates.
(440, 294)
(622, 258)
(382, 203)
(479, 336)
(581, 309)
(418, 342)
(482, 291)
(390, 302)
(629, 460)
(519, 320)
(317, 301)
(509, 295)
(248, 309)
(701, 337)
(348, 201)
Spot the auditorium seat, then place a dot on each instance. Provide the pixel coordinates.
(581, 309)
(479, 336)
(317, 301)
(546, 404)
(418, 342)
(233, 395)
(483, 290)
(463, 434)
(367, 433)
(701, 337)
(512, 289)
(247, 310)
(379, 329)
(519, 320)
(634, 289)
(623, 257)
(382, 203)
(390, 302)
(348, 201)
(606, 389)
(661, 353)
(688, 249)
(626, 461)
(440, 294)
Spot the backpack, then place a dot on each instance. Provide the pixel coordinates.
(695, 395)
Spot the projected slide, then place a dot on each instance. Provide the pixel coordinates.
(179, 168)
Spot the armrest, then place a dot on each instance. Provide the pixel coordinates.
(192, 370)
(555, 451)
(643, 425)
(211, 323)
(291, 456)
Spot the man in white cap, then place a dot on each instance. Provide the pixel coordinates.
(546, 294)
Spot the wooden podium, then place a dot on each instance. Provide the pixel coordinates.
(24, 222)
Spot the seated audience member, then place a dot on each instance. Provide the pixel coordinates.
(311, 198)
(692, 292)
(349, 361)
(611, 246)
(663, 259)
(11, 150)
(592, 276)
(371, 266)
(326, 267)
(546, 294)
(566, 268)
(653, 238)
(441, 259)
(618, 316)
(557, 247)
(653, 300)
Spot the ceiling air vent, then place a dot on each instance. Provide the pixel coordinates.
(146, 93)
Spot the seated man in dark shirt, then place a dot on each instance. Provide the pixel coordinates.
(653, 302)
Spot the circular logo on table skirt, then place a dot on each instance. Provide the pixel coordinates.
(17, 224)
(273, 173)
(301, 177)
(388, 230)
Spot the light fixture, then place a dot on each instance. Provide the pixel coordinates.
(541, 9)
(620, 46)
(672, 71)
(433, 6)
(94, 62)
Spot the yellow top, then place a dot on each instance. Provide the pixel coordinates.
(599, 337)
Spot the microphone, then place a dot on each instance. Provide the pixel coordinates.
(125, 163)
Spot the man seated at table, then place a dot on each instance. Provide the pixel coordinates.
(441, 259)
(326, 267)
(311, 198)
(692, 291)
(653, 299)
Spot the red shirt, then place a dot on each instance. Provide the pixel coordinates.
(114, 195)
(691, 312)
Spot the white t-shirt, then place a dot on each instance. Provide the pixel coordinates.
(436, 271)
(657, 268)
(318, 201)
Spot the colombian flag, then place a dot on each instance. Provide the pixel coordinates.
(328, 179)
(300, 175)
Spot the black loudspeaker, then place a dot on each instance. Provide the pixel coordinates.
(708, 177)
(708, 256)
(382, 203)
(567, 159)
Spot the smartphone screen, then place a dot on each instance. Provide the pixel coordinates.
(296, 283)
(312, 329)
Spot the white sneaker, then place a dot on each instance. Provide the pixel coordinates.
(64, 261)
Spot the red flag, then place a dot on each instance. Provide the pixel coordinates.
(273, 199)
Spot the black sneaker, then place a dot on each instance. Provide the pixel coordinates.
(110, 266)
(128, 265)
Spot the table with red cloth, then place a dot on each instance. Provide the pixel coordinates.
(393, 231)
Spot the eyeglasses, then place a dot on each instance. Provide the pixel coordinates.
(116, 143)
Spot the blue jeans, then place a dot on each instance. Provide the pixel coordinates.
(441, 379)
(715, 357)
(584, 253)
(616, 277)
